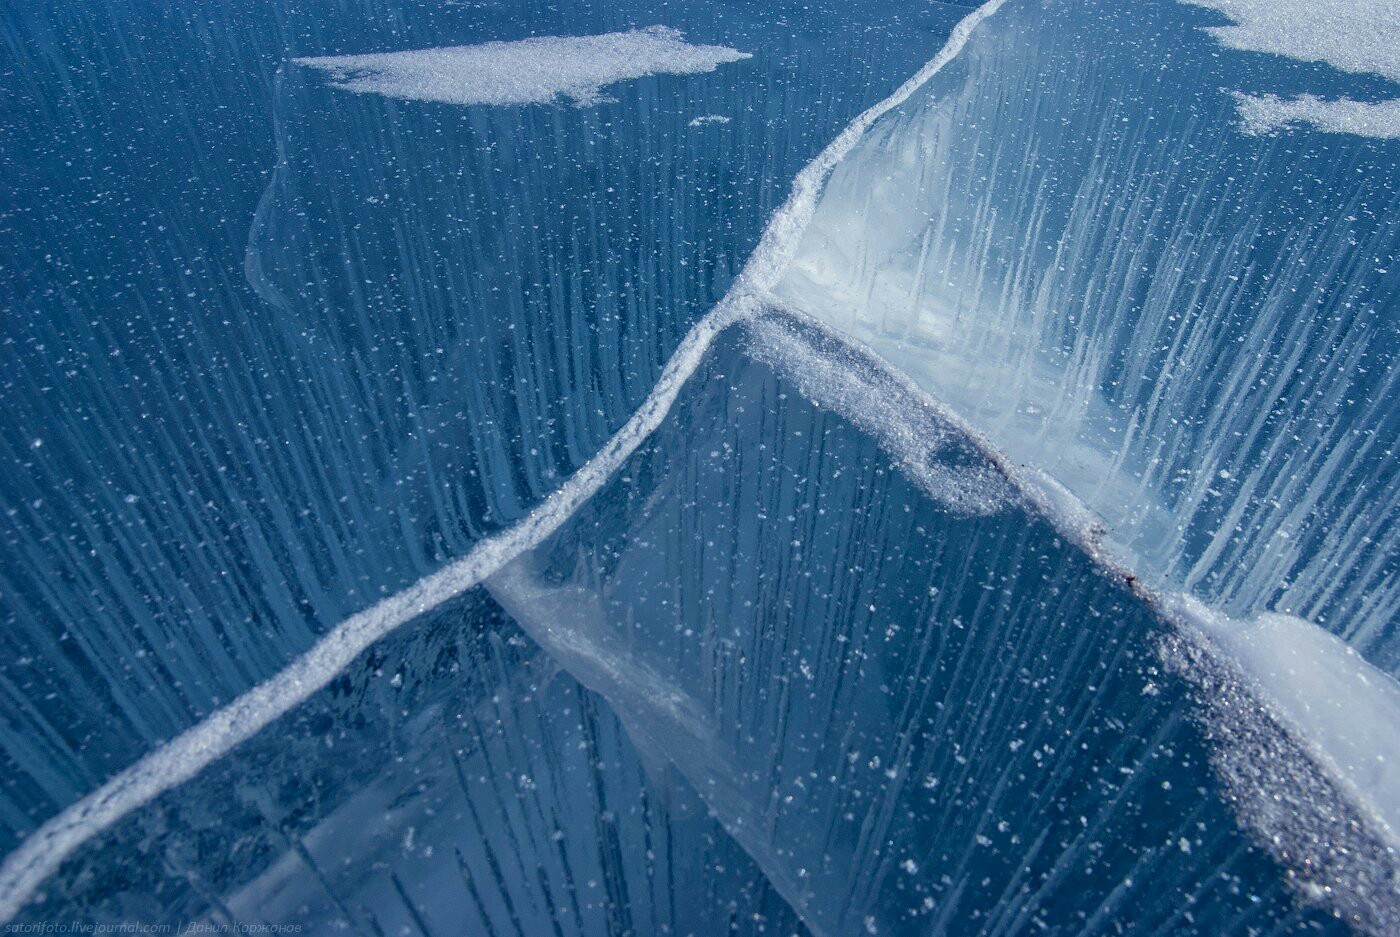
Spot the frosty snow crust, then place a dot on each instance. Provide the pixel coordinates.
(1266, 113)
(530, 71)
(1358, 36)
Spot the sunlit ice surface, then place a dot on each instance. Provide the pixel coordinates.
(604, 469)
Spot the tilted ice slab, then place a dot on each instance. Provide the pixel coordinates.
(920, 712)
(528, 71)
(1304, 729)
(1185, 327)
(1359, 36)
(1135, 300)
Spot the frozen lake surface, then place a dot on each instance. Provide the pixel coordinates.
(605, 469)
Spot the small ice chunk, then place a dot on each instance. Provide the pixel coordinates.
(708, 119)
(529, 71)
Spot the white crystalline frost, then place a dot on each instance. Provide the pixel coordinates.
(1359, 36)
(1266, 113)
(530, 71)
(1352, 35)
(1344, 710)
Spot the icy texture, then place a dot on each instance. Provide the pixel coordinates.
(1344, 708)
(880, 407)
(530, 71)
(1134, 300)
(915, 719)
(828, 653)
(1352, 35)
(452, 781)
(275, 352)
(1268, 112)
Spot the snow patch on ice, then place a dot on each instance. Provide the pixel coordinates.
(1358, 36)
(1301, 724)
(1352, 35)
(529, 71)
(708, 119)
(1346, 711)
(1268, 113)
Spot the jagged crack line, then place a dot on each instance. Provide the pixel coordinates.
(176, 762)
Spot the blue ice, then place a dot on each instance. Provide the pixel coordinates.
(592, 469)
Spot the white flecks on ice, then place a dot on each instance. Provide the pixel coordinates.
(1346, 711)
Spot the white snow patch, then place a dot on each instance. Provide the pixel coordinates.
(708, 119)
(1345, 711)
(1268, 113)
(1352, 35)
(529, 71)
(1358, 36)
(1300, 723)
